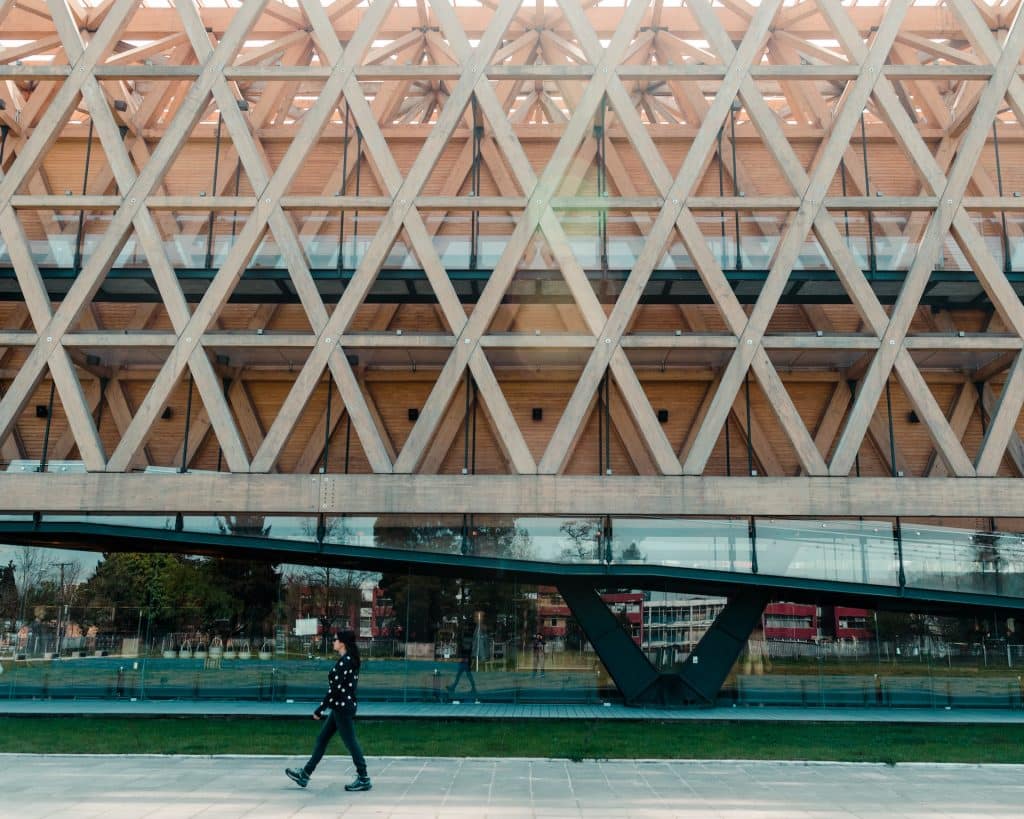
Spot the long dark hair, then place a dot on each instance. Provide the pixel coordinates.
(348, 637)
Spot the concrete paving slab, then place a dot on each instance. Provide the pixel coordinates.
(230, 787)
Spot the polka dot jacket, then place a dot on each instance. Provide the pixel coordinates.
(341, 691)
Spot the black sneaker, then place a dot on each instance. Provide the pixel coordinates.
(360, 783)
(298, 776)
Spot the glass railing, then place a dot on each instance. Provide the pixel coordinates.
(278, 677)
(880, 554)
(840, 551)
(738, 241)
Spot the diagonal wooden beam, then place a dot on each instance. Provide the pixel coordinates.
(895, 332)
(227, 277)
(402, 212)
(610, 331)
(800, 223)
(96, 268)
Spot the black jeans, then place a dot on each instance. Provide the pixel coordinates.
(344, 725)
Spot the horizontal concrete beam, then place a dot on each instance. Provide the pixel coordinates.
(512, 495)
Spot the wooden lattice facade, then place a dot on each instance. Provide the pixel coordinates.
(660, 257)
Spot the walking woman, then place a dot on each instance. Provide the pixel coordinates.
(340, 703)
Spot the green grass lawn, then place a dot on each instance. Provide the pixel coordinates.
(572, 739)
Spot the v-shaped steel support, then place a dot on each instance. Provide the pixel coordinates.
(641, 683)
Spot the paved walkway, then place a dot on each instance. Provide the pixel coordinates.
(471, 710)
(119, 787)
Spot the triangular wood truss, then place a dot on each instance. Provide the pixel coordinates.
(648, 73)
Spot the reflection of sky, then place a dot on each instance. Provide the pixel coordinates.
(89, 560)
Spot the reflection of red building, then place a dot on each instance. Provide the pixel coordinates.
(381, 611)
(553, 614)
(853, 624)
(629, 605)
(805, 623)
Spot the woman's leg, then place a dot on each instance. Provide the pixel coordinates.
(326, 732)
(347, 730)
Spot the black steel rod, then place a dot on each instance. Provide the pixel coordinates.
(607, 424)
(750, 429)
(188, 420)
(721, 192)
(472, 460)
(898, 531)
(735, 184)
(1002, 214)
(872, 261)
(892, 434)
(327, 424)
(81, 213)
(341, 192)
(348, 439)
(216, 168)
(355, 213)
(474, 217)
(465, 427)
(46, 431)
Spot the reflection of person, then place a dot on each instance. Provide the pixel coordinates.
(538, 654)
(340, 700)
(465, 664)
(756, 661)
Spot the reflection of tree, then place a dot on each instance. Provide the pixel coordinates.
(420, 604)
(986, 550)
(250, 525)
(632, 554)
(32, 567)
(335, 594)
(8, 592)
(584, 535)
(509, 542)
(181, 593)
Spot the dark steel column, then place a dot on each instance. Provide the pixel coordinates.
(640, 682)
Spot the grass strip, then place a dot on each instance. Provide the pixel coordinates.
(572, 739)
